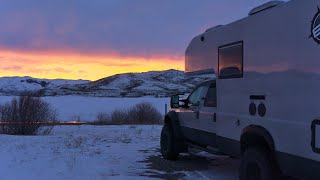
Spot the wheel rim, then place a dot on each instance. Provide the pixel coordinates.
(164, 143)
(253, 172)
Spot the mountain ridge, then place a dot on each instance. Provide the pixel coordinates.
(152, 83)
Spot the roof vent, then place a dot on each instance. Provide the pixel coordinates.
(265, 6)
(213, 28)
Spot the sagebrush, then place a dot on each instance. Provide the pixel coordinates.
(141, 113)
(144, 113)
(27, 115)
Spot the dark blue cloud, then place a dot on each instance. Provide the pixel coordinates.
(140, 27)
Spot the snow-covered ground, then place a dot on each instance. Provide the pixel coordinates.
(103, 152)
(86, 108)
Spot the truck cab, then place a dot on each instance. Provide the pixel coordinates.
(197, 115)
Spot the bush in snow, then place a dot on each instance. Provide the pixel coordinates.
(103, 118)
(119, 116)
(26, 115)
(142, 113)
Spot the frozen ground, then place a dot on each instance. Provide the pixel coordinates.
(86, 108)
(103, 152)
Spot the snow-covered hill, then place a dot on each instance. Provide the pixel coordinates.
(155, 83)
(18, 85)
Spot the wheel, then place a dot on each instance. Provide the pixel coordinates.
(167, 143)
(258, 164)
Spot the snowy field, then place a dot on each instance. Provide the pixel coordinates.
(103, 152)
(72, 108)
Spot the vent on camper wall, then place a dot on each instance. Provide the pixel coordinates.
(202, 38)
(264, 7)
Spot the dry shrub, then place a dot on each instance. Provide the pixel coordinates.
(141, 113)
(103, 118)
(144, 113)
(119, 116)
(27, 115)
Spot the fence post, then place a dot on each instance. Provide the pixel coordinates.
(165, 108)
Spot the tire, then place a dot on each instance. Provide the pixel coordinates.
(167, 143)
(258, 164)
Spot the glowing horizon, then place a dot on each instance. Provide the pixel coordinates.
(92, 40)
(72, 65)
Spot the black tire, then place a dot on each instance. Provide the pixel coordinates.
(167, 143)
(258, 164)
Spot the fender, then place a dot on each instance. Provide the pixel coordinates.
(173, 119)
(257, 131)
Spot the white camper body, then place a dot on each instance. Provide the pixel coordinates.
(272, 59)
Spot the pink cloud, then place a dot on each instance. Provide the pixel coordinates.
(12, 68)
(61, 70)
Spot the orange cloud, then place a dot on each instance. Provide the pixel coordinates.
(72, 65)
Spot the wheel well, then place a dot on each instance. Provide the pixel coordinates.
(253, 140)
(167, 120)
(256, 136)
(172, 121)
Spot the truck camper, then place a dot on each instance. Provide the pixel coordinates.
(264, 105)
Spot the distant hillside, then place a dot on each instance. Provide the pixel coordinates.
(18, 85)
(154, 83)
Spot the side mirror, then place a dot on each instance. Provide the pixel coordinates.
(174, 101)
(184, 103)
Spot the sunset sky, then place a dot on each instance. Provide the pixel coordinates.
(92, 39)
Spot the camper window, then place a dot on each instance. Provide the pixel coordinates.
(231, 61)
